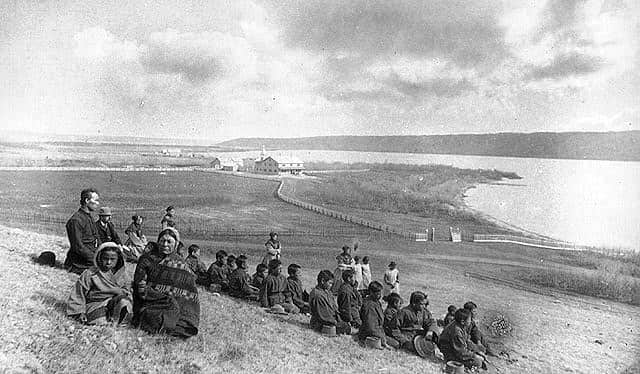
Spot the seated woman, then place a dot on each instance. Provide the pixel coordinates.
(136, 242)
(166, 297)
(101, 293)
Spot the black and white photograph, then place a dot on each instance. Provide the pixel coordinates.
(320, 186)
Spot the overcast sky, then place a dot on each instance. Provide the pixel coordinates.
(225, 69)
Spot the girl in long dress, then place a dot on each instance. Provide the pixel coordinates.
(391, 280)
(345, 261)
(273, 248)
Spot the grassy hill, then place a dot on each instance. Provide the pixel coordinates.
(624, 145)
(240, 337)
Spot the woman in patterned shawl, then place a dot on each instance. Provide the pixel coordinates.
(166, 297)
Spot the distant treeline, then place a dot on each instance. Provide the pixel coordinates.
(623, 146)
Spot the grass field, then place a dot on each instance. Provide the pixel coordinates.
(238, 337)
(210, 201)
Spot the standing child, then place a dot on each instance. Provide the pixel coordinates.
(345, 261)
(366, 272)
(357, 274)
(391, 280)
(259, 276)
(101, 294)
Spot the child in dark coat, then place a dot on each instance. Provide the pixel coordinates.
(219, 273)
(259, 276)
(349, 299)
(198, 267)
(324, 310)
(274, 290)
(240, 281)
(298, 295)
(394, 302)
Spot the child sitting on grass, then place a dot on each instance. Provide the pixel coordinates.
(299, 297)
(450, 316)
(101, 294)
(219, 273)
(349, 300)
(240, 281)
(324, 310)
(231, 263)
(394, 302)
(274, 291)
(259, 276)
(197, 266)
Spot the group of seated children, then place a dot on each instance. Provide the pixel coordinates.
(267, 285)
(396, 326)
(101, 294)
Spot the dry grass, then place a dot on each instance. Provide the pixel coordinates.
(240, 337)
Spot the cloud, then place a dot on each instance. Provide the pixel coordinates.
(198, 57)
(568, 65)
(464, 31)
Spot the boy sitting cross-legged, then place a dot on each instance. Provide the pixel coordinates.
(349, 299)
(240, 281)
(372, 315)
(101, 294)
(299, 296)
(197, 266)
(219, 273)
(324, 310)
(274, 290)
(258, 278)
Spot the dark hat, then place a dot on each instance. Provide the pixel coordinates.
(104, 211)
(47, 258)
(329, 331)
(454, 367)
(277, 309)
(424, 347)
(373, 342)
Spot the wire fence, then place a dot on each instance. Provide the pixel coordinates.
(203, 230)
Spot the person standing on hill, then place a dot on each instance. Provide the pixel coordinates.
(83, 233)
(169, 218)
(106, 230)
(273, 248)
(391, 280)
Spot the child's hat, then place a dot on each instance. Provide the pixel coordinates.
(454, 367)
(329, 331)
(423, 346)
(277, 309)
(373, 342)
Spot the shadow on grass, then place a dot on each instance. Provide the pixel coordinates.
(52, 302)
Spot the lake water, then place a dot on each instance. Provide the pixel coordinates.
(586, 202)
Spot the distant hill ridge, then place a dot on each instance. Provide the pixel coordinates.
(622, 146)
